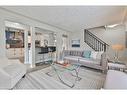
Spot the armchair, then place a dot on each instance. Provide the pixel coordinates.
(11, 71)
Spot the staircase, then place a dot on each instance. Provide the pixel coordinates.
(94, 42)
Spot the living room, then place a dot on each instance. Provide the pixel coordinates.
(65, 51)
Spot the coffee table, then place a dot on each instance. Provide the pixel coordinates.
(66, 67)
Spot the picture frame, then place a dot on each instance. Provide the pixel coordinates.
(75, 43)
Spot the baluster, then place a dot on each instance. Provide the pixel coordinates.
(102, 47)
(88, 38)
(85, 35)
(94, 42)
(98, 46)
(91, 40)
(105, 47)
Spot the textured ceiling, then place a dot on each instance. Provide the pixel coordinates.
(72, 18)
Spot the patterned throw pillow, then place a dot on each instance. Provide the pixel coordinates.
(94, 54)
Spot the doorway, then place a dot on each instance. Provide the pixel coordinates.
(14, 33)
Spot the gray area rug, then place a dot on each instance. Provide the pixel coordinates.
(90, 79)
(39, 67)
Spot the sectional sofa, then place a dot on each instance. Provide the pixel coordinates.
(75, 56)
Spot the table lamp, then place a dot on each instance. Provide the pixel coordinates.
(117, 48)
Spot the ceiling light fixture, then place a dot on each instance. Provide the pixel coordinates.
(111, 26)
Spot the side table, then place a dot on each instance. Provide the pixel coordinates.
(116, 66)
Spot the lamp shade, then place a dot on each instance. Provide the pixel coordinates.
(118, 47)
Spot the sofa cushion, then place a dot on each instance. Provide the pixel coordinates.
(76, 53)
(66, 52)
(74, 58)
(90, 60)
(86, 54)
(115, 80)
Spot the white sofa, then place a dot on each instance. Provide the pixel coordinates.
(11, 71)
(77, 56)
(115, 80)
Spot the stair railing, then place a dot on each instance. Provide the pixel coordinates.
(94, 42)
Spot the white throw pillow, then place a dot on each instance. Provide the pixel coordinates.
(94, 54)
(99, 54)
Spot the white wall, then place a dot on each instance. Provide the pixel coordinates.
(78, 35)
(6, 15)
(2, 39)
(112, 36)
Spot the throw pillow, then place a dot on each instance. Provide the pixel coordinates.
(94, 55)
(86, 54)
(99, 54)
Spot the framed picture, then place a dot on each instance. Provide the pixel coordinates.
(75, 43)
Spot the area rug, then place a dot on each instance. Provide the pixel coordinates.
(90, 79)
